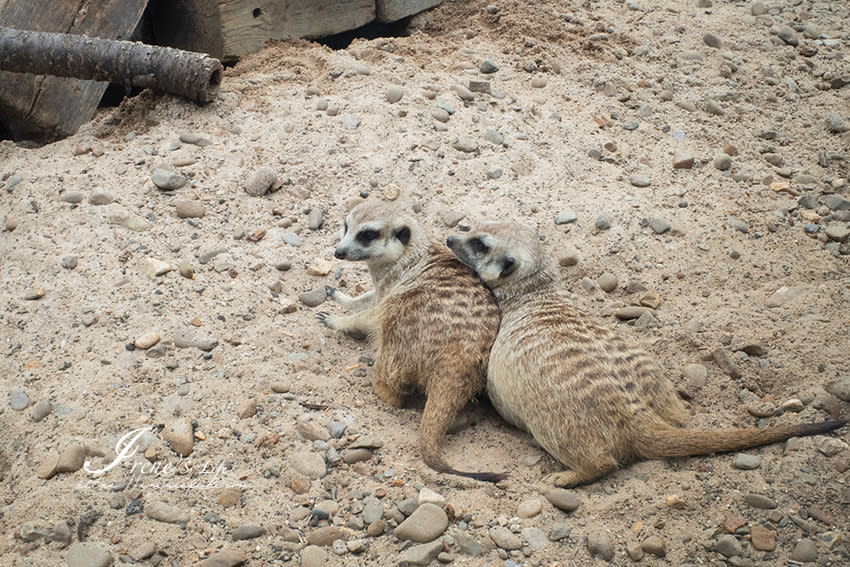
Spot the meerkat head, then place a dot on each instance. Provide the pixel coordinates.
(379, 234)
(499, 252)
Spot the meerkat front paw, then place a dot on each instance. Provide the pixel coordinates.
(330, 291)
(328, 320)
(563, 479)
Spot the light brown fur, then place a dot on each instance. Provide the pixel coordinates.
(590, 399)
(432, 321)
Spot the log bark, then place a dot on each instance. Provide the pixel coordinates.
(192, 75)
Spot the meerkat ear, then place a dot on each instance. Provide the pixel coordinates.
(508, 267)
(402, 234)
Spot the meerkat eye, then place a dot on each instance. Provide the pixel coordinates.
(508, 267)
(367, 235)
(478, 246)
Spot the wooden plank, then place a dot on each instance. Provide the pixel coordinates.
(246, 26)
(394, 10)
(46, 108)
(194, 25)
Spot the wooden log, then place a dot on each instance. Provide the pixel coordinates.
(229, 29)
(47, 108)
(192, 75)
(394, 10)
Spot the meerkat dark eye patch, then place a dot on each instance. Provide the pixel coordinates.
(477, 246)
(508, 267)
(402, 234)
(367, 235)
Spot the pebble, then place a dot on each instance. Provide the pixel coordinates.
(195, 139)
(313, 556)
(478, 86)
(487, 67)
(712, 40)
(659, 226)
(168, 180)
(72, 197)
(607, 282)
(10, 223)
(760, 501)
(784, 295)
(394, 94)
(738, 225)
(262, 181)
(728, 546)
(229, 497)
(464, 144)
(292, 239)
(350, 122)
(722, 162)
(789, 36)
(840, 388)
(225, 558)
(634, 551)
(494, 137)
(440, 115)
(88, 554)
(247, 409)
(746, 462)
(167, 513)
(569, 257)
(41, 410)
(566, 217)
(247, 532)
(805, 551)
(185, 269)
(313, 297)
(529, 508)
(837, 232)
(835, 124)
(713, 107)
(603, 222)
(681, 160)
(640, 180)
(836, 203)
(534, 538)
(504, 538)
(758, 8)
(538, 82)
(654, 545)
(326, 535)
(188, 337)
(34, 294)
(187, 209)
(762, 538)
(315, 219)
(631, 312)
(69, 262)
(143, 551)
(422, 554)
(426, 523)
(71, 459)
(147, 340)
(122, 217)
(428, 496)
(311, 465)
(153, 267)
(599, 545)
(462, 92)
(566, 500)
(18, 399)
(724, 362)
(376, 528)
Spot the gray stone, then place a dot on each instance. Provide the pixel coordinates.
(440, 115)
(247, 532)
(599, 545)
(784, 295)
(712, 40)
(682, 160)
(659, 226)
(187, 337)
(738, 225)
(760, 501)
(168, 180)
(425, 524)
(72, 197)
(746, 462)
(394, 94)
(722, 162)
(639, 180)
(313, 297)
(494, 137)
(805, 551)
(837, 232)
(32, 532)
(713, 107)
(350, 122)
(71, 459)
(725, 363)
(292, 239)
(836, 203)
(88, 554)
(534, 538)
(422, 554)
(143, 551)
(311, 465)
(479, 86)
(789, 36)
(373, 510)
(195, 139)
(41, 410)
(607, 282)
(466, 145)
(566, 500)
(559, 531)
(505, 538)
(728, 546)
(226, 558)
(840, 388)
(209, 255)
(313, 556)
(315, 219)
(69, 262)
(468, 545)
(835, 124)
(529, 508)
(187, 209)
(603, 222)
(758, 8)
(264, 180)
(631, 312)
(167, 513)
(18, 399)
(566, 217)
(122, 217)
(654, 545)
(462, 92)
(487, 67)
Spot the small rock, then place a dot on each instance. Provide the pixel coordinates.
(247, 409)
(34, 294)
(428, 496)
(728, 546)
(168, 180)
(41, 410)
(494, 137)
(195, 139)
(225, 558)
(634, 551)
(314, 297)
(247, 532)
(566, 500)
(167, 513)
(566, 217)
(394, 94)
(69, 262)
(838, 232)
(681, 160)
(840, 388)
(316, 218)
(760, 501)
(504, 538)
(569, 257)
(534, 538)
(311, 465)
(599, 545)
(835, 124)
(319, 267)
(479, 86)
(607, 282)
(440, 115)
(351, 456)
(152, 267)
(713, 107)
(746, 462)
(529, 508)
(376, 528)
(350, 122)
(229, 497)
(603, 222)
(100, 197)
(758, 8)
(789, 36)
(655, 546)
(722, 162)
(313, 556)
(805, 551)
(422, 554)
(147, 340)
(326, 535)
(264, 180)
(71, 459)
(783, 295)
(464, 144)
(88, 554)
(631, 312)
(61, 534)
(425, 524)
(724, 362)
(462, 92)
(639, 180)
(185, 269)
(712, 40)
(18, 399)
(487, 67)
(762, 538)
(659, 226)
(72, 197)
(538, 82)
(143, 551)
(179, 436)
(190, 209)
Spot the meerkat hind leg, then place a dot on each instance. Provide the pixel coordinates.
(587, 473)
(359, 325)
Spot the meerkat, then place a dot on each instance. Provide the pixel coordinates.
(590, 399)
(431, 319)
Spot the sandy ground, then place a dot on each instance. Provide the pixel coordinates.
(589, 103)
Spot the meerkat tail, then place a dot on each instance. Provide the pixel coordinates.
(685, 442)
(436, 419)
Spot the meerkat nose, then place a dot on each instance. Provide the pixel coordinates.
(339, 253)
